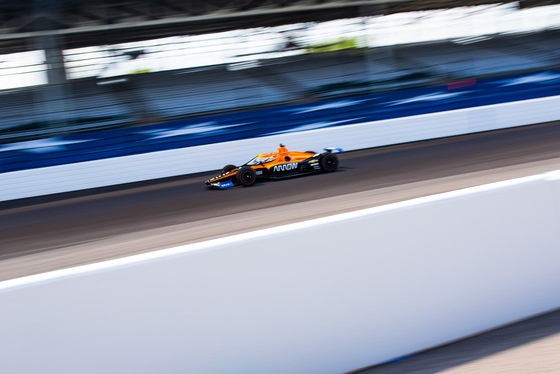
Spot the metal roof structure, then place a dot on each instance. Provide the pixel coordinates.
(78, 23)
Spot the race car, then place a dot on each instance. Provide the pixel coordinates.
(276, 165)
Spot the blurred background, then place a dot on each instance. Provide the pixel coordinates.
(71, 66)
(84, 80)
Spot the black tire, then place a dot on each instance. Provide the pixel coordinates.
(328, 162)
(246, 176)
(227, 168)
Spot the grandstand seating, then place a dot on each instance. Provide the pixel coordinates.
(30, 113)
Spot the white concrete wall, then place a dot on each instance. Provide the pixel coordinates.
(323, 296)
(118, 170)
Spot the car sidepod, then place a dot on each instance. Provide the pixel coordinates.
(294, 168)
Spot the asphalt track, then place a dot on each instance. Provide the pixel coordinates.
(528, 347)
(49, 233)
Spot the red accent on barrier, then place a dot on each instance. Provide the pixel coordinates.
(455, 85)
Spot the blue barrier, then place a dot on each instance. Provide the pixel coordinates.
(284, 119)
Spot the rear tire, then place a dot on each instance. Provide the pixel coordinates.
(227, 168)
(328, 162)
(246, 176)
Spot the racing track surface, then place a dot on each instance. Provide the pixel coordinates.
(47, 233)
(527, 347)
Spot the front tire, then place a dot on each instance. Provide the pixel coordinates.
(227, 168)
(328, 162)
(246, 176)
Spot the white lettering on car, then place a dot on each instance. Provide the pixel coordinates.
(285, 167)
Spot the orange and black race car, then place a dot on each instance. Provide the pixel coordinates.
(276, 165)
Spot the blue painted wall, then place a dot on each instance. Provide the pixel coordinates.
(293, 118)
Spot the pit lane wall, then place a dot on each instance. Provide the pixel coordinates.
(168, 163)
(324, 296)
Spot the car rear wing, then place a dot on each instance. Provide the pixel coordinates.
(333, 150)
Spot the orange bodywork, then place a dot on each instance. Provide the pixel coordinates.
(268, 161)
(283, 157)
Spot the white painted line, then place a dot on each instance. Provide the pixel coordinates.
(206, 245)
(553, 175)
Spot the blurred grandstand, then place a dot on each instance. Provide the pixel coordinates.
(87, 66)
